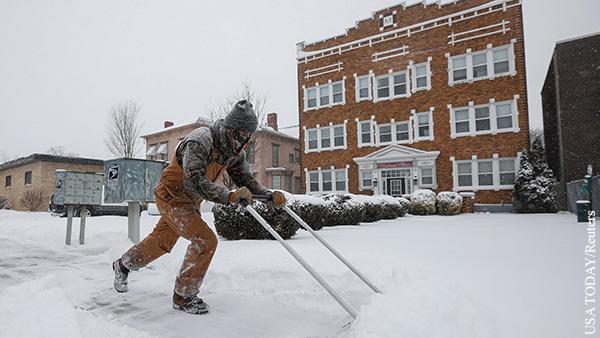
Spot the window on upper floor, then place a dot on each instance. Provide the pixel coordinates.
(275, 148)
(330, 137)
(424, 126)
(363, 88)
(402, 131)
(296, 156)
(421, 76)
(391, 86)
(489, 118)
(28, 178)
(384, 131)
(326, 95)
(485, 64)
(365, 133)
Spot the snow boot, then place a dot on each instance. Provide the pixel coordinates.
(193, 305)
(121, 274)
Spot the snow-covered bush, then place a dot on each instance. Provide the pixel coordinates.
(233, 222)
(422, 202)
(4, 203)
(535, 186)
(402, 206)
(311, 209)
(342, 209)
(448, 203)
(382, 207)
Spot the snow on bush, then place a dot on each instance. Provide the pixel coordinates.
(422, 202)
(311, 209)
(382, 207)
(417, 307)
(448, 203)
(4, 203)
(233, 222)
(342, 209)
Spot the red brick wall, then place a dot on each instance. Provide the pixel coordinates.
(431, 43)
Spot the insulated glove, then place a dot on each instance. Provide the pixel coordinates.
(235, 196)
(278, 198)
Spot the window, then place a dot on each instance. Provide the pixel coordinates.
(423, 126)
(402, 132)
(464, 174)
(326, 181)
(327, 185)
(399, 84)
(326, 95)
(486, 64)
(461, 120)
(275, 155)
(485, 173)
(495, 173)
(297, 185)
(383, 87)
(391, 85)
(480, 65)
(163, 151)
(311, 97)
(340, 180)
(313, 181)
(312, 139)
(501, 61)
(426, 176)
(8, 181)
(504, 115)
(288, 183)
(365, 132)
(297, 156)
(291, 158)
(326, 138)
(385, 133)
(367, 179)
(151, 152)
(363, 88)
(28, 178)
(482, 118)
(276, 182)
(421, 76)
(507, 172)
(459, 68)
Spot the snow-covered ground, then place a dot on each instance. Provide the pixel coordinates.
(467, 276)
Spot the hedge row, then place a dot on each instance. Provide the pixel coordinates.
(425, 202)
(233, 222)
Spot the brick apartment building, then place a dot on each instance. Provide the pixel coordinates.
(571, 106)
(274, 157)
(421, 96)
(36, 173)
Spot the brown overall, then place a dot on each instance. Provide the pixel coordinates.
(179, 218)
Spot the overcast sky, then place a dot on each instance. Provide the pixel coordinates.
(64, 63)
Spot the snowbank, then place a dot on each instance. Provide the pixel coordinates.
(415, 307)
(40, 308)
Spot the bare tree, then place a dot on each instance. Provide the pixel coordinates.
(33, 199)
(218, 109)
(60, 151)
(123, 129)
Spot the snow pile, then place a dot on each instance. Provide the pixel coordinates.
(415, 307)
(449, 203)
(41, 308)
(422, 202)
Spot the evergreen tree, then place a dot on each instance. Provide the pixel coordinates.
(535, 185)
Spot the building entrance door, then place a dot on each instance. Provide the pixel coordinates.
(396, 186)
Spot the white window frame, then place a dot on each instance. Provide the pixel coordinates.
(416, 136)
(489, 60)
(361, 179)
(359, 132)
(390, 78)
(358, 88)
(395, 130)
(493, 118)
(413, 71)
(333, 172)
(392, 136)
(331, 128)
(329, 85)
(474, 164)
(273, 182)
(433, 178)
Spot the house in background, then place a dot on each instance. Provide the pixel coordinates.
(274, 157)
(571, 110)
(36, 173)
(426, 95)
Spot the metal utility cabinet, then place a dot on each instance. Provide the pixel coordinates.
(133, 181)
(76, 189)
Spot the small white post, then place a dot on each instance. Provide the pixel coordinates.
(133, 220)
(70, 212)
(82, 215)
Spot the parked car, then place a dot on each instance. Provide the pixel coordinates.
(97, 210)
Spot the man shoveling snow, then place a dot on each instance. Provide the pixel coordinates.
(199, 161)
